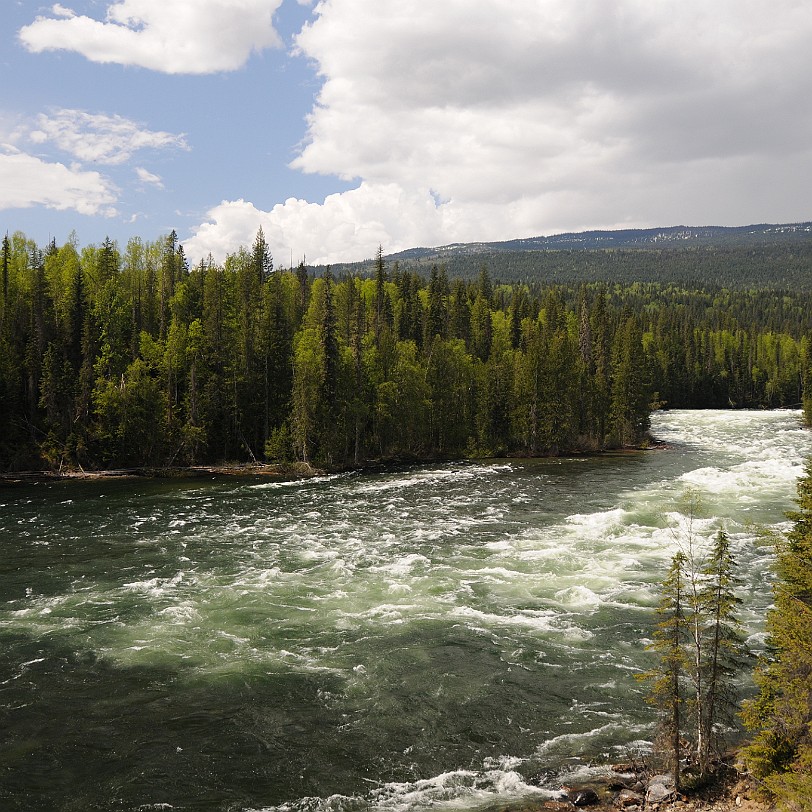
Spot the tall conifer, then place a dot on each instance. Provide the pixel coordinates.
(669, 675)
(725, 652)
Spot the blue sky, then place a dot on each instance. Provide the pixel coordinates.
(341, 125)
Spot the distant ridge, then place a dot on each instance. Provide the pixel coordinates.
(668, 237)
(766, 255)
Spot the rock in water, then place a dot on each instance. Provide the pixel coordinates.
(584, 797)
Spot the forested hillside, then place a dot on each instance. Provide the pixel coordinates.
(776, 266)
(112, 357)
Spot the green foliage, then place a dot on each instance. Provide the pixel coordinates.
(780, 267)
(780, 754)
(806, 366)
(279, 446)
(723, 648)
(700, 650)
(669, 677)
(235, 356)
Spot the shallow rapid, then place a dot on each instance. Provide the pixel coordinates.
(453, 635)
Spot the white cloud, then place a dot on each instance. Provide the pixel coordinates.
(147, 177)
(61, 11)
(26, 180)
(531, 118)
(170, 36)
(346, 226)
(100, 138)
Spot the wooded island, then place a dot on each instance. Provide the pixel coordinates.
(116, 358)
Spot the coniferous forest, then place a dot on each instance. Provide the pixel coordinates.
(114, 357)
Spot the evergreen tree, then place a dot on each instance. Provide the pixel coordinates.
(481, 328)
(629, 405)
(484, 284)
(668, 678)
(724, 647)
(4, 269)
(459, 313)
(382, 316)
(806, 379)
(527, 367)
(437, 315)
(780, 754)
(261, 257)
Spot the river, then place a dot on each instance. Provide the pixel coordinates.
(457, 635)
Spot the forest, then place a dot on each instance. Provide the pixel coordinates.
(114, 357)
(737, 264)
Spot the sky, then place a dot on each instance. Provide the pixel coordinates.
(344, 125)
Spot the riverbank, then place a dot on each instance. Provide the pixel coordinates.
(297, 470)
(286, 470)
(630, 789)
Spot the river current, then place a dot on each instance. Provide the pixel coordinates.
(456, 635)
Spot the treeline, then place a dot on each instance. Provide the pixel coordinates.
(130, 358)
(778, 266)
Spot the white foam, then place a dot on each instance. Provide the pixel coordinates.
(180, 615)
(580, 597)
(155, 586)
(545, 621)
(453, 790)
(405, 565)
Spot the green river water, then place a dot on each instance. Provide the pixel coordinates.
(455, 636)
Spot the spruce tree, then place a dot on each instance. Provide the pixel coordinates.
(261, 257)
(4, 265)
(725, 652)
(668, 677)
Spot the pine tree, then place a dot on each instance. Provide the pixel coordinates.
(629, 405)
(437, 316)
(714, 647)
(725, 650)
(667, 693)
(4, 267)
(382, 319)
(261, 257)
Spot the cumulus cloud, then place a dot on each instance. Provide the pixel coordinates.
(170, 36)
(100, 138)
(491, 120)
(26, 180)
(347, 225)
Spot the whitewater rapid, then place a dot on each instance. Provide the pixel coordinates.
(447, 635)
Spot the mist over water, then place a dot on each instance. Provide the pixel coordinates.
(450, 635)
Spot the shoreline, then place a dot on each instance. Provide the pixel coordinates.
(282, 471)
(633, 787)
(279, 471)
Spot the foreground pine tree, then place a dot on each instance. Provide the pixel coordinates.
(668, 677)
(700, 651)
(724, 651)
